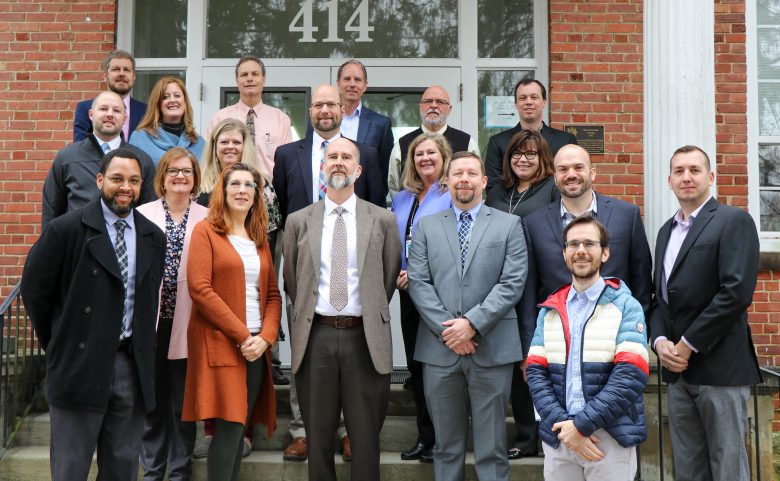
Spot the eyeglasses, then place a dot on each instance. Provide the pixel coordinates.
(186, 172)
(237, 184)
(434, 101)
(119, 180)
(529, 154)
(574, 245)
(329, 105)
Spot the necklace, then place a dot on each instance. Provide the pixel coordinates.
(512, 198)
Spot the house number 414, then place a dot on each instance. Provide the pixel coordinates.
(358, 22)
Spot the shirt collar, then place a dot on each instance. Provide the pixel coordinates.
(357, 111)
(317, 139)
(593, 206)
(113, 144)
(429, 131)
(592, 293)
(678, 216)
(111, 217)
(350, 205)
(473, 211)
(245, 108)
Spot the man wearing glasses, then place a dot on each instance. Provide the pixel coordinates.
(435, 107)
(530, 101)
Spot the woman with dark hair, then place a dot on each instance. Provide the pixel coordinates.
(168, 441)
(168, 121)
(235, 319)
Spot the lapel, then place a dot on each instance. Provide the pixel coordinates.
(304, 164)
(450, 226)
(603, 209)
(98, 241)
(660, 250)
(365, 222)
(364, 124)
(480, 226)
(553, 216)
(314, 228)
(699, 223)
(144, 246)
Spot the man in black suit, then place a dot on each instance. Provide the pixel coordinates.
(530, 100)
(119, 73)
(629, 258)
(91, 285)
(705, 274)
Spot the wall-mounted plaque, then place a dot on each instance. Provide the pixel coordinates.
(589, 137)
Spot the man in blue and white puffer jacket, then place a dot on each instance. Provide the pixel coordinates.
(588, 367)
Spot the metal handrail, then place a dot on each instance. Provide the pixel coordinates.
(21, 366)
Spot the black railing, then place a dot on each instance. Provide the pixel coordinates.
(21, 366)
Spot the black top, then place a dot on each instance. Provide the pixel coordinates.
(523, 203)
(458, 139)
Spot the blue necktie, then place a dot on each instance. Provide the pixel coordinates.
(106, 148)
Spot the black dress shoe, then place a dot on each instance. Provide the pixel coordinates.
(278, 376)
(414, 452)
(427, 455)
(514, 454)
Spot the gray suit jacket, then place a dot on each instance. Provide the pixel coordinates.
(379, 261)
(485, 292)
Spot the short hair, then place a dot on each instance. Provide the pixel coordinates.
(411, 179)
(123, 152)
(252, 58)
(528, 81)
(525, 137)
(116, 54)
(256, 221)
(588, 219)
(462, 155)
(95, 99)
(153, 116)
(172, 154)
(352, 61)
(210, 162)
(685, 149)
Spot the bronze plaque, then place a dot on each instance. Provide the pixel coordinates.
(589, 137)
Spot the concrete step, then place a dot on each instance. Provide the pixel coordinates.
(31, 463)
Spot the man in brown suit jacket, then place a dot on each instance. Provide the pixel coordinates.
(340, 280)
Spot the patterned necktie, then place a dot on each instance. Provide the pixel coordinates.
(323, 188)
(105, 147)
(339, 295)
(121, 257)
(250, 124)
(464, 233)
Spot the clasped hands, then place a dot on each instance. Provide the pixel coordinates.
(253, 347)
(583, 446)
(674, 357)
(458, 335)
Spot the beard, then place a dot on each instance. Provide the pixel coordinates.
(434, 121)
(593, 269)
(340, 180)
(464, 197)
(120, 210)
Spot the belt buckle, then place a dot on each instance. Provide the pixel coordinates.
(338, 322)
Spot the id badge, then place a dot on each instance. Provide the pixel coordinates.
(408, 245)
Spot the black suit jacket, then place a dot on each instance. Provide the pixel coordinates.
(494, 155)
(72, 289)
(293, 176)
(82, 124)
(709, 290)
(629, 254)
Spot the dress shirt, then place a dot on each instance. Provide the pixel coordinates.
(316, 157)
(579, 306)
(473, 211)
(354, 306)
(113, 144)
(272, 129)
(567, 217)
(351, 123)
(247, 250)
(111, 219)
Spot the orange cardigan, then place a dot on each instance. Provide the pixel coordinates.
(216, 370)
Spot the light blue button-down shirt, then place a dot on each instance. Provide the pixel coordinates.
(351, 123)
(579, 306)
(111, 218)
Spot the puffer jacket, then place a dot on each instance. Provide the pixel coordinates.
(614, 366)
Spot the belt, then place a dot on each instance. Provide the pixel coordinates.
(339, 322)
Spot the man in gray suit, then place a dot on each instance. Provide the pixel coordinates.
(340, 280)
(466, 270)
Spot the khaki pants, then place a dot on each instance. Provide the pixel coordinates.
(618, 464)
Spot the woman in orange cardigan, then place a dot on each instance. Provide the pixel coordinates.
(235, 318)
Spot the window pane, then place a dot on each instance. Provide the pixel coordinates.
(769, 53)
(768, 12)
(770, 210)
(332, 29)
(145, 80)
(401, 105)
(769, 108)
(769, 165)
(160, 28)
(492, 85)
(506, 28)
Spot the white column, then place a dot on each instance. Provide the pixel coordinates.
(679, 95)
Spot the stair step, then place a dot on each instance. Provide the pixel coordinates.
(32, 463)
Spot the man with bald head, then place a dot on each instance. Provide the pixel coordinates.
(435, 107)
(629, 258)
(342, 352)
(70, 184)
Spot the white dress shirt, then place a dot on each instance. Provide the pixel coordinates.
(354, 306)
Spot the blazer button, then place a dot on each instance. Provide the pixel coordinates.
(94, 271)
(82, 345)
(88, 310)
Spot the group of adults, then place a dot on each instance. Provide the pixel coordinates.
(153, 290)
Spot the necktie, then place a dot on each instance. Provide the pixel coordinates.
(250, 124)
(105, 147)
(121, 257)
(464, 233)
(323, 188)
(338, 263)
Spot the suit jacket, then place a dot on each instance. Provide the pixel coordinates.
(72, 289)
(377, 130)
(485, 292)
(293, 176)
(629, 254)
(379, 262)
(494, 156)
(709, 290)
(82, 125)
(154, 211)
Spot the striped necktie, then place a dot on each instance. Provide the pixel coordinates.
(121, 257)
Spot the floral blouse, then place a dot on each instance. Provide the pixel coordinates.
(173, 250)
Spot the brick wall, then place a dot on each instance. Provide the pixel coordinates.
(49, 60)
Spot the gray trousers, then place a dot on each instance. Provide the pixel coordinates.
(116, 432)
(454, 392)
(618, 464)
(708, 426)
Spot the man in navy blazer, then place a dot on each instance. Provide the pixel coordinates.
(119, 74)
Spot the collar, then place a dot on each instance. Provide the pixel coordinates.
(350, 205)
(245, 108)
(473, 211)
(593, 206)
(592, 293)
(429, 131)
(357, 111)
(113, 144)
(317, 139)
(111, 217)
(678, 215)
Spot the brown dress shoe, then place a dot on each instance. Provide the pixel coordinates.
(297, 450)
(346, 449)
